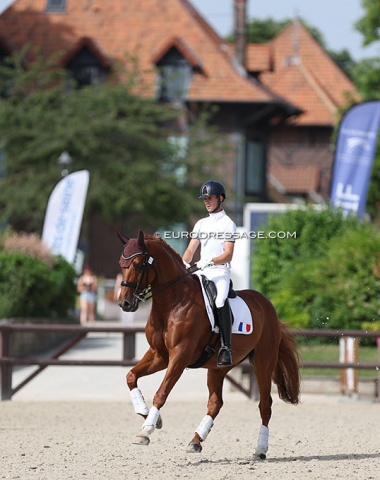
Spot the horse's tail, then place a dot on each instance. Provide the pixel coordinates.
(286, 374)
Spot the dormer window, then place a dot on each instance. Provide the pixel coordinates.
(55, 5)
(5, 82)
(174, 77)
(2, 164)
(86, 68)
(3, 54)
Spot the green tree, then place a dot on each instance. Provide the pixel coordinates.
(113, 130)
(275, 258)
(327, 277)
(344, 60)
(366, 77)
(366, 74)
(368, 25)
(262, 31)
(338, 290)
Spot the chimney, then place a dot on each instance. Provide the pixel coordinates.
(240, 11)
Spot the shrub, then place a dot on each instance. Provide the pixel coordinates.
(346, 281)
(329, 277)
(30, 244)
(31, 288)
(275, 258)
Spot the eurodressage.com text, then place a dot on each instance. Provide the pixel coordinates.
(225, 235)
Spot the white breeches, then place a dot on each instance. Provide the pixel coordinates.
(221, 277)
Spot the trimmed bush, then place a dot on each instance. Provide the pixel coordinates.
(31, 288)
(328, 277)
(276, 257)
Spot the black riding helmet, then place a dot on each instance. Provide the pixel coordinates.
(212, 188)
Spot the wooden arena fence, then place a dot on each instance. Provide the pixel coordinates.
(78, 333)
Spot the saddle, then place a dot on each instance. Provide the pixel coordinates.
(210, 290)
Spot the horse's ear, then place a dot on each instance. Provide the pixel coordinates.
(124, 239)
(140, 239)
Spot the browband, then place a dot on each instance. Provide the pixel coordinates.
(132, 256)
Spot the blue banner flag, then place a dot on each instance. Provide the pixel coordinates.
(354, 154)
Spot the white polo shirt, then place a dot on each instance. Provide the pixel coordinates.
(212, 232)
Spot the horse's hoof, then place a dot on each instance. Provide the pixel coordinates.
(141, 440)
(194, 447)
(261, 452)
(159, 423)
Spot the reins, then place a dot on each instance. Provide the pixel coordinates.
(160, 288)
(148, 291)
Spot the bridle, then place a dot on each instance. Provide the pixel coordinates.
(147, 262)
(148, 291)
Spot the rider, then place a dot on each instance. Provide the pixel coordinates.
(216, 235)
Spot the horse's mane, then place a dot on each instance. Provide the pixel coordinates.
(166, 246)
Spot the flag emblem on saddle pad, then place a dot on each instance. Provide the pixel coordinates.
(244, 327)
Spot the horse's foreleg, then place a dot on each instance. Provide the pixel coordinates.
(149, 364)
(215, 379)
(175, 368)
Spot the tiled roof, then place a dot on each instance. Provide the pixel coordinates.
(258, 57)
(141, 27)
(295, 179)
(294, 67)
(304, 74)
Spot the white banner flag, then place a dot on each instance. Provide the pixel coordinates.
(64, 213)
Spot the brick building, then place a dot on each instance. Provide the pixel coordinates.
(277, 102)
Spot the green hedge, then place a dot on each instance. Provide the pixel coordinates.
(327, 277)
(30, 288)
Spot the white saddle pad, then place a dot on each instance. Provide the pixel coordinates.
(242, 315)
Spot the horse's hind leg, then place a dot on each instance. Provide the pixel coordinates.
(215, 379)
(263, 369)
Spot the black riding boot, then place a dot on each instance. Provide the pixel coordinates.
(224, 358)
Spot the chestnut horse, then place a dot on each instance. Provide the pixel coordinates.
(178, 331)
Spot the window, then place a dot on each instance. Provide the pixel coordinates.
(255, 169)
(56, 5)
(5, 75)
(174, 77)
(2, 164)
(3, 55)
(178, 149)
(86, 69)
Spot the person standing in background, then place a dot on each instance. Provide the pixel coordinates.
(87, 288)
